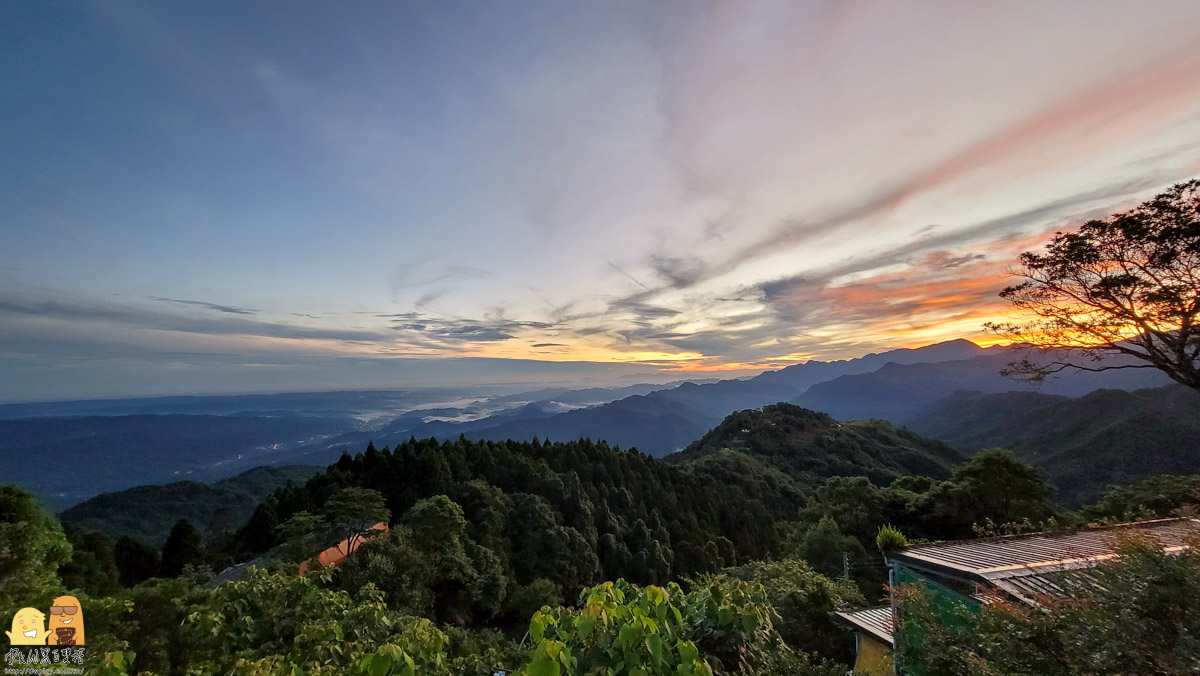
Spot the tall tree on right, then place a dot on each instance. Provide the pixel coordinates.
(1127, 285)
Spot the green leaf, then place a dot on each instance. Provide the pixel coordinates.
(725, 617)
(627, 635)
(379, 665)
(687, 651)
(537, 629)
(655, 646)
(542, 667)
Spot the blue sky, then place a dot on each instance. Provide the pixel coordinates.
(210, 197)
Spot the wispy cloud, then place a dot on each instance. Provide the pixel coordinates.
(210, 306)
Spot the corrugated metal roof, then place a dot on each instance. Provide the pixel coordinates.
(1023, 556)
(874, 621)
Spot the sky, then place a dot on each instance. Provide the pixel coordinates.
(227, 197)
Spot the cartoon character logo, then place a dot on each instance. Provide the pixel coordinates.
(66, 622)
(28, 628)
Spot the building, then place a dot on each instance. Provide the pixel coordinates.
(873, 639)
(1017, 568)
(332, 556)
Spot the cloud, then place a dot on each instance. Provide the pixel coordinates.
(549, 345)
(420, 274)
(676, 271)
(463, 330)
(78, 310)
(211, 306)
(1063, 211)
(1117, 108)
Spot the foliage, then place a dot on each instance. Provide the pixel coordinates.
(890, 539)
(1157, 497)
(1128, 284)
(303, 536)
(992, 485)
(824, 546)
(93, 566)
(844, 515)
(805, 601)
(135, 560)
(400, 570)
(1081, 444)
(805, 447)
(1136, 614)
(32, 548)
(570, 513)
(182, 548)
(268, 622)
(441, 574)
(352, 512)
(146, 622)
(722, 626)
(482, 652)
(856, 506)
(525, 600)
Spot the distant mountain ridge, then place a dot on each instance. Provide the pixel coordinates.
(1082, 444)
(665, 421)
(148, 512)
(897, 391)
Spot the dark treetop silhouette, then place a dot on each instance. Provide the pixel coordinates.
(1127, 284)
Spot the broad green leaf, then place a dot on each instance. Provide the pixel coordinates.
(542, 667)
(655, 646)
(537, 629)
(687, 651)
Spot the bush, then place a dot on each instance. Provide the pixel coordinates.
(890, 539)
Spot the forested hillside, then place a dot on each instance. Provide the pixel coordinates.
(571, 513)
(148, 512)
(813, 446)
(485, 535)
(1082, 445)
(781, 452)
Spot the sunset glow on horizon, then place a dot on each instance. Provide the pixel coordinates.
(256, 197)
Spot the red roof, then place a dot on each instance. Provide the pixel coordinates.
(338, 553)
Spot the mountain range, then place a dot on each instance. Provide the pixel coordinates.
(896, 391)
(667, 420)
(1082, 444)
(891, 386)
(66, 457)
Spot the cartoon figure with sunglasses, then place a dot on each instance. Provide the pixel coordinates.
(66, 622)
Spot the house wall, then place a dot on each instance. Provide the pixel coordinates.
(874, 657)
